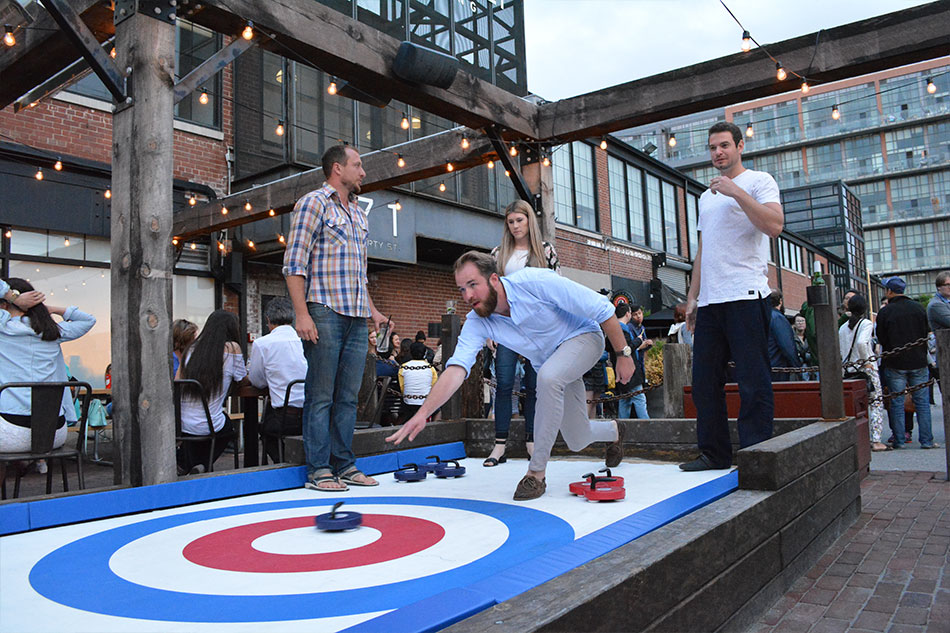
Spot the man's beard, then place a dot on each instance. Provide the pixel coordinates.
(486, 307)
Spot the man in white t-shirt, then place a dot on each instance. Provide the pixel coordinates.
(726, 306)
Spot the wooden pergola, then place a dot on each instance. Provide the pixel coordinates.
(142, 80)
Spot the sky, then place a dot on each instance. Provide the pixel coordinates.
(578, 46)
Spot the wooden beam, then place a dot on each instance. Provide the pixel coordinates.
(425, 157)
(42, 50)
(903, 37)
(339, 45)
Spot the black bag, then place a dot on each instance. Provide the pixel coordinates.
(852, 373)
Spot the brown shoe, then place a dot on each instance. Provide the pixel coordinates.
(615, 449)
(529, 488)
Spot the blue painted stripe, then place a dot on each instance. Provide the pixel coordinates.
(432, 614)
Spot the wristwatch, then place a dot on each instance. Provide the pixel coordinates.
(626, 351)
(14, 295)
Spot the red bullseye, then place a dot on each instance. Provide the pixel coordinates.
(231, 550)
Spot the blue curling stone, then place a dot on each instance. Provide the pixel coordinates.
(448, 469)
(335, 521)
(410, 472)
(431, 467)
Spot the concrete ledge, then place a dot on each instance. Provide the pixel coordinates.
(772, 464)
(373, 441)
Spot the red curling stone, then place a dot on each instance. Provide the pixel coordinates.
(605, 494)
(579, 487)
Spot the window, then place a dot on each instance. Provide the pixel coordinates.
(825, 162)
(670, 220)
(654, 213)
(574, 200)
(790, 255)
(905, 148)
(692, 221)
(635, 204)
(786, 167)
(617, 185)
(857, 105)
(877, 246)
(862, 156)
(910, 197)
(772, 125)
(691, 140)
(922, 245)
(873, 201)
(563, 184)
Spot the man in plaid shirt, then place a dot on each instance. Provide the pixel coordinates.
(325, 268)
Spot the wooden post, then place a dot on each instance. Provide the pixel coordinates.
(829, 358)
(451, 326)
(943, 362)
(677, 372)
(142, 255)
(541, 180)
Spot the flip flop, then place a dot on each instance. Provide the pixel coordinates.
(315, 483)
(350, 478)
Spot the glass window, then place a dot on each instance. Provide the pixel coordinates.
(905, 148)
(619, 218)
(873, 197)
(703, 174)
(194, 45)
(938, 143)
(862, 156)
(272, 103)
(654, 213)
(877, 247)
(563, 187)
(924, 245)
(857, 106)
(670, 219)
(692, 221)
(910, 197)
(902, 97)
(941, 192)
(786, 167)
(691, 139)
(584, 186)
(28, 243)
(825, 162)
(635, 205)
(772, 125)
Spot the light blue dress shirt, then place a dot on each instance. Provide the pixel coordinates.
(25, 357)
(546, 310)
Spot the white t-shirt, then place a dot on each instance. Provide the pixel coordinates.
(516, 261)
(735, 258)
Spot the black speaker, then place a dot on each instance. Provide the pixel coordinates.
(425, 66)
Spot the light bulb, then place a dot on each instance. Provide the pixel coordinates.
(332, 87)
(749, 131)
(507, 174)
(39, 174)
(835, 114)
(8, 38)
(931, 86)
(112, 53)
(174, 241)
(66, 241)
(441, 186)
(194, 246)
(465, 143)
(271, 213)
(603, 143)
(8, 234)
(58, 165)
(398, 206)
(513, 151)
(247, 205)
(224, 210)
(107, 194)
(250, 244)
(281, 239)
(248, 32)
(780, 73)
(192, 200)
(203, 97)
(546, 162)
(805, 87)
(401, 162)
(404, 124)
(491, 164)
(746, 41)
(279, 130)
(449, 167)
(221, 246)
(672, 140)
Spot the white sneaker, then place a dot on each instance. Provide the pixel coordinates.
(41, 466)
(197, 469)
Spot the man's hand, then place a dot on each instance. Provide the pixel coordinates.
(380, 319)
(625, 369)
(306, 329)
(647, 343)
(29, 299)
(725, 186)
(412, 428)
(692, 306)
(492, 345)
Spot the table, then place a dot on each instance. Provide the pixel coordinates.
(249, 395)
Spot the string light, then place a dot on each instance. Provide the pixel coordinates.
(404, 124)
(224, 210)
(8, 38)
(8, 234)
(107, 194)
(271, 213)
(672, 140)
(66, 241)
(247, 205)
(603, 143)
(513, 151)
(746, 41)
(491, 164)
(805, 86)
(39, 174)
(507, 174)
(112, 53)
(398, 206)
(465, 143)
(203, 97)
(220, 246)
(546, 161)
(931, 86)
(835, 114)
(194, 246)
(174, 241)
(192, 200)
(331, 88)
(248, 32)
(780, 73)
(441, 186)
(400, 161)
(279, 130)
(449, 167)
(749, 131)
(58, 165)
(281, 239)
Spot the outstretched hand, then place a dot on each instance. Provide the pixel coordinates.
(411, 428)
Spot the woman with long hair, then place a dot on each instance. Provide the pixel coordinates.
(30, 352)
(521, 247)
(854, 343)
(215, 360)
(183, 334)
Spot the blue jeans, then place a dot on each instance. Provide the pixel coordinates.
(334, 373)
(505, 361)
(898, 380)
(738, 331)
(637, 403)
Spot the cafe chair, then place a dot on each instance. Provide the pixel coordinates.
(280, 435)
(46, 399)
(213, 436)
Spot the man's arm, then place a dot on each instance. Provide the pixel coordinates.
(378, 317)
(297, 289)
(767, 217)
(614, 334)
(447, 384)
(692, 297)
(786, 343)
(938, 314)
(255, 367)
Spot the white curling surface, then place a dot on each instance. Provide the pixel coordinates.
(156, 560)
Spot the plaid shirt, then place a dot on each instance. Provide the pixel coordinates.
(327, 246)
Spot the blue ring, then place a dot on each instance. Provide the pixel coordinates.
(530, 534)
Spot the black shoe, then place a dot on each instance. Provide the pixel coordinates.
(615, 449)
(701, 463)
(492, 462)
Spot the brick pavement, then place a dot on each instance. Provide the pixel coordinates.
(889, 572)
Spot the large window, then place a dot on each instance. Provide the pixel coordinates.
(862, 156)
(790, 255)
(922, 245)
(772, 125)
(692, 222)
(671, 231)
(877, 246)
(635, 205)
(873, 197)
(857, 107)
(910, 197)
(626, 201)
(574, 190)
(905, 148)
(786, 167)
(654, 213)
(691, 139)
(825, 162)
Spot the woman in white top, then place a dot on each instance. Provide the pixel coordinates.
(854, 341)
(215, 360)
(30, 352)
(521, 246)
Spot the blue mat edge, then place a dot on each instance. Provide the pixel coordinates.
(44, 513)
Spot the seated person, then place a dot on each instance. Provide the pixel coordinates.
(215, 360)
(30, 352)
(277, 360)
(416, 377)
(183, 334)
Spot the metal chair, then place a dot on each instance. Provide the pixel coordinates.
(213, 436)
(45, 401)
(280, 435)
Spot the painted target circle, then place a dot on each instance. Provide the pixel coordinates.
(116, 583)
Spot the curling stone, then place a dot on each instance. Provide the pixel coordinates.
(431, 467)
(449, 468)
(579, 487)
(618, 480)
(603, 491)
(335, 521)
(410, 472)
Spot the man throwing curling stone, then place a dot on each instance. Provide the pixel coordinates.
(556, 324)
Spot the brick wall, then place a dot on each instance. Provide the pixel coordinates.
(414, 296)
(574, 252)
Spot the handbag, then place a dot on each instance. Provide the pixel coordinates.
(852, 373)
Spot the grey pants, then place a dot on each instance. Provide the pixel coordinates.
(562, 401)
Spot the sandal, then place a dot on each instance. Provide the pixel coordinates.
(878, 447)
(492, 462)
(318, 483)
(356, 477)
